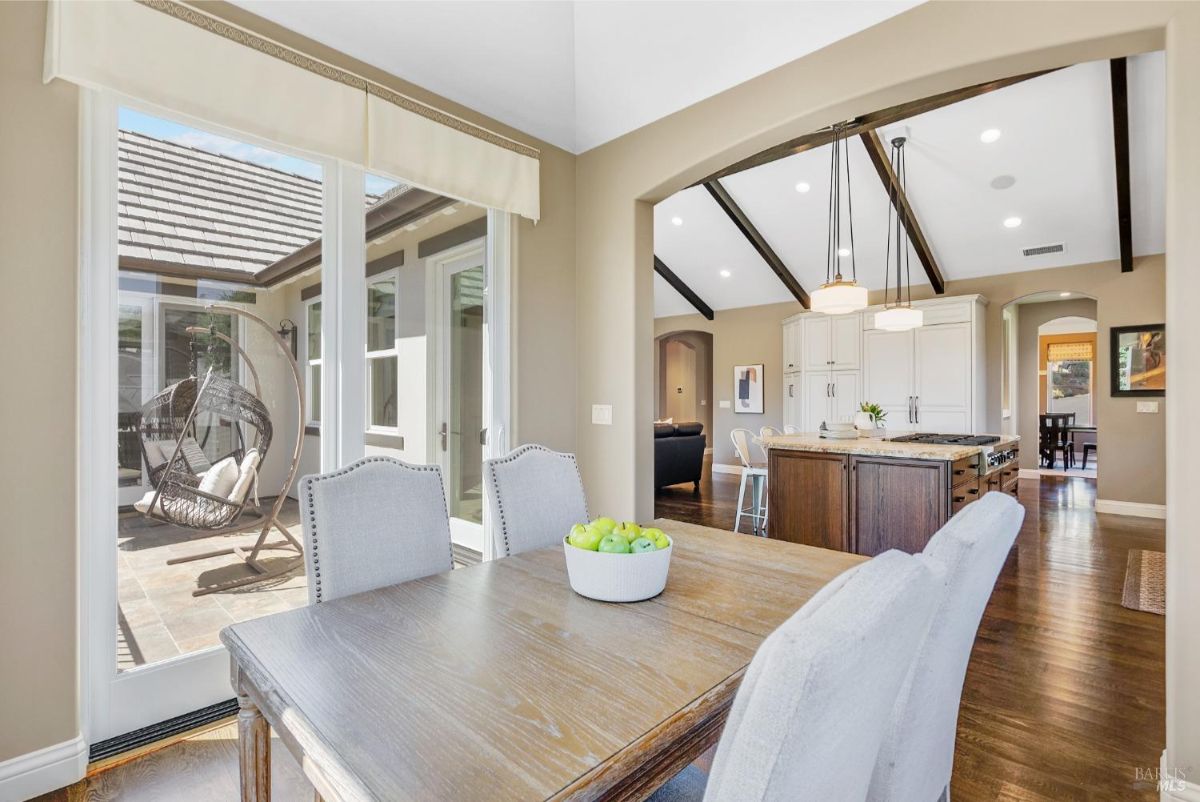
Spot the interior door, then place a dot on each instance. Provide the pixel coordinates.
(817, 394)
(816, 342)
(845, 395)
(943, 378)
(845, 342)
(460, 433)
(888, 376)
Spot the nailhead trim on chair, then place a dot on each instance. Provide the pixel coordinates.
(514, 455)
(309, 481)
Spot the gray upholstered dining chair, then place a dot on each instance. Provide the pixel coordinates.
(810, 714)
(917, 754)
(535, 496)
(376, 522)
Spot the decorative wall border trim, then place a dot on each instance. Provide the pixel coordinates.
(45, 770)
(269, 47)
(1131, 508)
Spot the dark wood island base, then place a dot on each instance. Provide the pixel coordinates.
(867, 503)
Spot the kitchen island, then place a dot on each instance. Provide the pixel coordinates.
(869, 495)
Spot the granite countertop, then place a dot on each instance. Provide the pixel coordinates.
(878, 448)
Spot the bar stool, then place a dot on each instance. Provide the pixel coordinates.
(757, 474)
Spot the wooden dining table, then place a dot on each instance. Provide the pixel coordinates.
(498, 682)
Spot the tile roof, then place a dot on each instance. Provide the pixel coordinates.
(189, 207)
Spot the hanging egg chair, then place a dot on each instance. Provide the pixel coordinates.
(194, 492)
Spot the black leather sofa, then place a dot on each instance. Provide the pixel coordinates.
(678, 453)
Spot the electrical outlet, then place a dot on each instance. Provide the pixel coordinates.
(602, 414)
(1150, 407)
(725, 405)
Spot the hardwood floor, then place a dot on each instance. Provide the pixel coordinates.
(1064, 697)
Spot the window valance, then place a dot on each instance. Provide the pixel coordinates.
(177, 57)
(1069, 352)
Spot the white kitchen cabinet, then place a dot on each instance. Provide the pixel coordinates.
(793, 399)
(829, 396)
(817, 344)
(832, 342)
(792, 346)
(888, 376)
(929, 379)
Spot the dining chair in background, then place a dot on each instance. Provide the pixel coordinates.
(791, 428)
(1054, 435)
(917, 754)
(754, 474)
(764, 432)
(376, 522)
(535, 496)
(809, 717)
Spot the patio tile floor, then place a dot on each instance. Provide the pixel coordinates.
(159, 617)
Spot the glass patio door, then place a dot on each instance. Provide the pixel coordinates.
(460, 436)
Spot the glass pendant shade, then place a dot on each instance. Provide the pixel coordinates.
(899, 318)
(839, 298)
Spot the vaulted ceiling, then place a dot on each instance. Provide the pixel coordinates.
(1052, 166)
(577, 74)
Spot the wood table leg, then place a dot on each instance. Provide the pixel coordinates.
(254, 746)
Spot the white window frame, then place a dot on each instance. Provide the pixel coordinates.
(368, 386)
(308, 364)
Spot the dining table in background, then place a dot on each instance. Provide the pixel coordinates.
(498, 682)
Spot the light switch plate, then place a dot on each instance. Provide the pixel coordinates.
(724, 405)
(1147, 406)
(703, 403)
(602, 414)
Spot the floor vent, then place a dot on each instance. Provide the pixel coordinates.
(164, 729)
(1042, 250)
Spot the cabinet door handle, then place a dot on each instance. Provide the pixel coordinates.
(917, 408)
(790, 394)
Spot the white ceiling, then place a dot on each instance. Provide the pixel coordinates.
(1056, 141)
(576, 74)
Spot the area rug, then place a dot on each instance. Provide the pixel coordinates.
(1146, 582)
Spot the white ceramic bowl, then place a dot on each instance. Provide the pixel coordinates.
(617, 577)
(840, 427)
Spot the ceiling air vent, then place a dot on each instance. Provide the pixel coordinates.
(1042, 250)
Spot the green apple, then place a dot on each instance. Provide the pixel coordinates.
(589, 539)
(605, 525)
(576, 531)
(614, 544)
(643, 544)
(658, 536)
(630, 530)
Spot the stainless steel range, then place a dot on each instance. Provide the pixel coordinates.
(993, 457)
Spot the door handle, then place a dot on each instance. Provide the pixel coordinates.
(444, 433)
(483, 436)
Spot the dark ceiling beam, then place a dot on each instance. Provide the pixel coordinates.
(891, 185)
(739, 218)
(683, 289)
(868, 122)
(1120, 111)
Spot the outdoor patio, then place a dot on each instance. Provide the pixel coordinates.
(158, 617)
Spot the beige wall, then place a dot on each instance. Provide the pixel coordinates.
(745, 336)
(1028, 389)
(39, 186)
(39, 140)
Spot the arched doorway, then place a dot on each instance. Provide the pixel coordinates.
(683, 371)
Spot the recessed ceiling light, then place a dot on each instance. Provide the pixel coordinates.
(1064, 295)
(843, 251)
(725, 274)
(676, 221)
(803, 187)
(1012, 222)
(989, 136)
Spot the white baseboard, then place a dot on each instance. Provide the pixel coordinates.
(1173, 785)
(45, 770)
(721, 467)
(1131, 508)
(1029, 473)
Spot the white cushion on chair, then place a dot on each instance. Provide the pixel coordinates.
(247, 475)
(220, 478)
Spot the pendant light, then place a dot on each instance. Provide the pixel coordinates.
(838, 295)
(898, 313)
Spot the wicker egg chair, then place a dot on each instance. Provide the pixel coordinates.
(185, 412)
